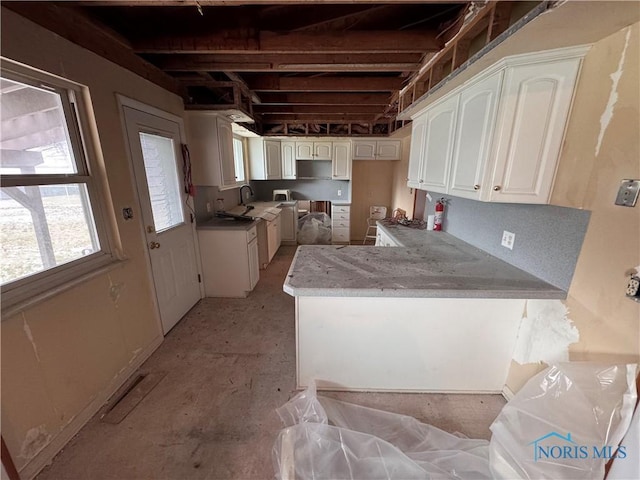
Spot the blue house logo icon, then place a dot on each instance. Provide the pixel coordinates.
(547, 451)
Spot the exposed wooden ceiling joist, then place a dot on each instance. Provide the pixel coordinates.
(320, 117)
(231, 3)
(295, 109)
(77, 27)
(325, 98)
(244, 41)
(269, 83)
(369, 62)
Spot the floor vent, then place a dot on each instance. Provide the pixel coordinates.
(129, 396)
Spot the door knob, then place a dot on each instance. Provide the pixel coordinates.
(476, 187)
(153, 245)
(496, 188)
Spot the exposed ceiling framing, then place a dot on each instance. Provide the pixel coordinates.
(295, 67)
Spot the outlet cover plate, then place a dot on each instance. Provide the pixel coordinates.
(628, 193)
(508, 238)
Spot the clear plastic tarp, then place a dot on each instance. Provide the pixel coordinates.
(314, 229)
(329, 439)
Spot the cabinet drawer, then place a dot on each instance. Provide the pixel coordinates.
(340, 209)
(340, 224)
(252, 233)
(340, 216)
(340, 234)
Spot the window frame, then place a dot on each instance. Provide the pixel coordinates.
(243, 142)
(23, 292)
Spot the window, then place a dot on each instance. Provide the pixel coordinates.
(51, 230)
(238, 158)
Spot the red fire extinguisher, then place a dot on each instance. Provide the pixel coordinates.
(437, 221)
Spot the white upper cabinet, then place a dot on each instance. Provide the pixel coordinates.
(377, 149)
(536, 103)
(288, 160)
(416, 152)
(477, 110)
(309, 150)
(341, 161)
(439, 130)
(210, 142)
(508, 125)
(265, 161)
(388, 149)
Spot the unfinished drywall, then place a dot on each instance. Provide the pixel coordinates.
(61, 357)
(371, 186)
(588, 177)
(401, 195)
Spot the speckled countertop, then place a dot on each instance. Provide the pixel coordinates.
(429, 264)
(217, 223)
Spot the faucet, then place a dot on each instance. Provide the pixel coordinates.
(250, 190)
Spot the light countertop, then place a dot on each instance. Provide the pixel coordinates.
(217, 223)
(429, 264)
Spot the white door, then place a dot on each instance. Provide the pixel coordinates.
(388, 150)
(416, 152)
(322, 150)
(289, 160)
(341, 162)
(304, 150)
(364, 150)
(155, 147)
(273, 161)
(441, 122)
(474, 134)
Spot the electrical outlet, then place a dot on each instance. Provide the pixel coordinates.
(339, 193)
(508, 239)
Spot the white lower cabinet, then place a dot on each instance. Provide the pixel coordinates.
(229, 261)
(384, 240)
(269, 240)
(340, 223)
(498, 137)
(289, 224)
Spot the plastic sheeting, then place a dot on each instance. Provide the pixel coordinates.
(566, 422)
(329, 439)
(314, 229)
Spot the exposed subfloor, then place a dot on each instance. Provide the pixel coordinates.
(230, 363)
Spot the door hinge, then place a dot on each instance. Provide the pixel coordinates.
(191, 216)
(199, 279)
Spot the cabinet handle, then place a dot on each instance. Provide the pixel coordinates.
(496, 188)
(476, 187)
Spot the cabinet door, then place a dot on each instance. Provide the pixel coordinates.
(364, 149)
(287, 224)
(532, 121)
(225, 138)
(474, 133)
(202, 139)
(416, 152)
(341, 162)
(322, 150)
(304, 150)
(288, 151)
(388, 149)
(273, 160)
(441, 122)
(254, 265)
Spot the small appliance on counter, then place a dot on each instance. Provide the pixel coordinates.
(282, 195)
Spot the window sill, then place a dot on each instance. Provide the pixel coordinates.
(10, 309)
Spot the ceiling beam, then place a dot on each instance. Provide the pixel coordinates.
(233, 3)
(245, 41)
(75, 26)
(273, 83)
(322, 118)
(370, 62)
(322, 109)
(325, 98)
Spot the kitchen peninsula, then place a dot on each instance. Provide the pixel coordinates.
(432, 315)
